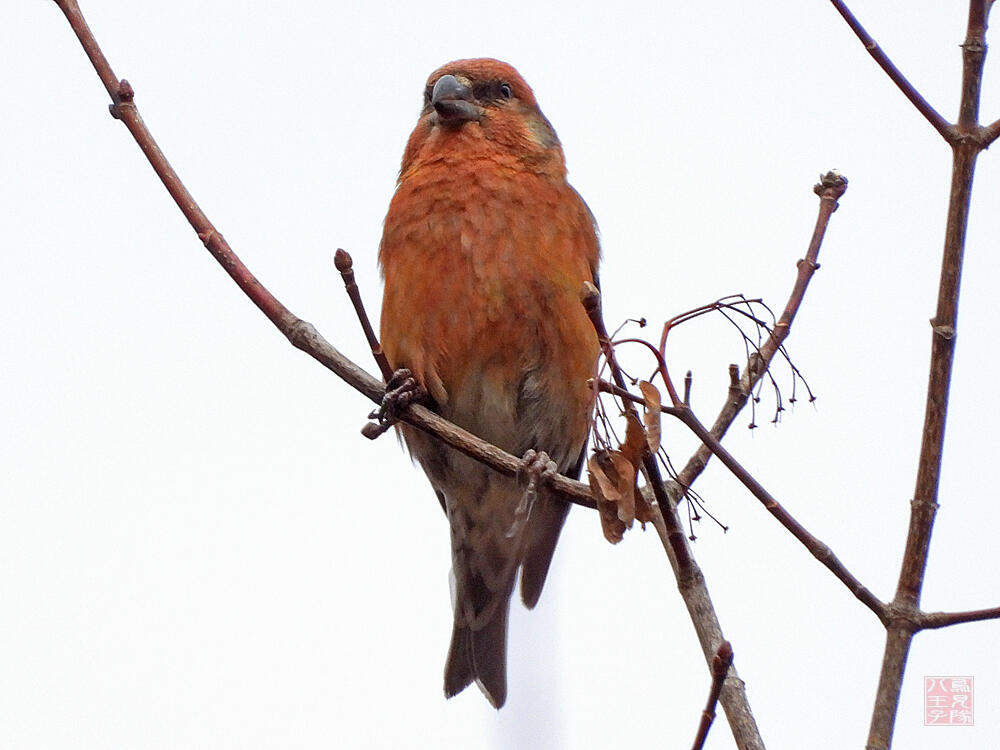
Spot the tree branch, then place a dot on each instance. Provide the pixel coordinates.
(689, 576)
(830, 189)
(690, 579)
(940, 124)
(820, 551)
(720, 667)
(989, 134)
(345, 265)
(923, 507)
(694, 592)
(498, 460)
(931, 620)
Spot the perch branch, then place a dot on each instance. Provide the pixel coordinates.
(300, 333)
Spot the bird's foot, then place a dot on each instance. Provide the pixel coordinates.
(401, 391)
(535, 471)
(536, 468)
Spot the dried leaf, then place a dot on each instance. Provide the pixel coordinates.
(599, 466)
(643, 510)
(612, 480)
(613, 528)
(625, 476)
(635, 440)
(651, 414)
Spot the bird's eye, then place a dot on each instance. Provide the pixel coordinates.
(505, 91)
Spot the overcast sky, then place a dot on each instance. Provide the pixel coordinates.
(199, 550)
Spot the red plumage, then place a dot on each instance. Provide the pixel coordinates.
(484, 252)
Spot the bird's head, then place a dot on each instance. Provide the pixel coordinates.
(483, 107)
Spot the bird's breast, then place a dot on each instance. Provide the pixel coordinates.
(483, 267)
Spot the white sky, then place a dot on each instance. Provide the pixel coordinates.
(197, 547)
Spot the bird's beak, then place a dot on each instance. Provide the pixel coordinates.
(452, 100)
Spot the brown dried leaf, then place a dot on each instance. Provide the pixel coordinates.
(600, 467)
(635, 440)
(613, 529)
(625, 476)
(612, 479)
(651, 414)
(643, 510)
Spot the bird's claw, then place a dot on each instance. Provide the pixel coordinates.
(401, 391)
(536, 467)
(536, 470)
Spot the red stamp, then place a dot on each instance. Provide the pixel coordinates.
(948, 702)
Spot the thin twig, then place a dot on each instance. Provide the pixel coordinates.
(989, 134)
(720, 306)
(830, 189)
(123, 108)
(931, 620)
(721, 662)
(940, 124)
(591, 300)
(345, 264)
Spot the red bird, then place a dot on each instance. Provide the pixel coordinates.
(484, 253)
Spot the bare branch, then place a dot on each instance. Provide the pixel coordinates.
(931, 620)
(501, 461)
(940, 124)
(701, 610)
(973, 56)
(591, 299)
(943, 332)
(690, 579)
(721, 662)
(990, 133)
(897, 650)
(305, 337)
(819, 550)
(923, 507)
(123, 108)
(830, 189)
(345, 265)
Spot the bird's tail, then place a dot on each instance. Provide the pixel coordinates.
(479, 655)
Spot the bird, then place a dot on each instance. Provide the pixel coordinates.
(484, 251)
